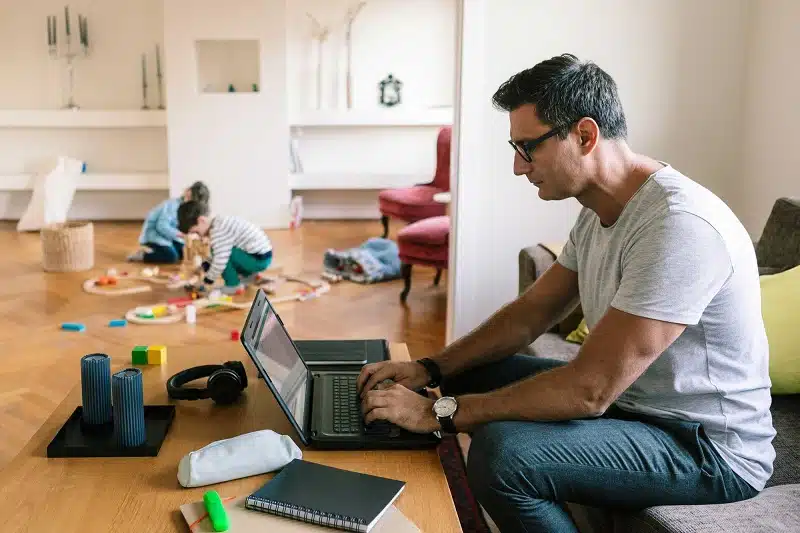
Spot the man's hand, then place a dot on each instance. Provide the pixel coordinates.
(406, 373)
(401, 406)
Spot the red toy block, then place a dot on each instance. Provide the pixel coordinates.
(180, 301)
(234, 335)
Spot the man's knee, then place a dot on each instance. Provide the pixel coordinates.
(496, 464)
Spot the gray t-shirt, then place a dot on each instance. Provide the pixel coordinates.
(677, 253)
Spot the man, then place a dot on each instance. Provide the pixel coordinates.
(667, 401)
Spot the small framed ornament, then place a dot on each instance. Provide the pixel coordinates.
(390, 89)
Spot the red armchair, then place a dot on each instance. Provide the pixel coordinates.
(425, 243)
(416, 203)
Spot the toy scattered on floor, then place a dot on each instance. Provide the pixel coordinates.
(109, 285)
(215, 300)
(191, 314)
(121, 323)
(235, 335)
(149, 355)
(330, 277)
(73, 326)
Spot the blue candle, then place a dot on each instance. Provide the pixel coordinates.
(128, 407)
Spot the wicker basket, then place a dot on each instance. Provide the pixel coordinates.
(68, 247)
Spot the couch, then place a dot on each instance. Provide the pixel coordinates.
(777, 508)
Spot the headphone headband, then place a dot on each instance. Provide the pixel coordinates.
(175, 384)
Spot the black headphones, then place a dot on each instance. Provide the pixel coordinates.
(225, 383)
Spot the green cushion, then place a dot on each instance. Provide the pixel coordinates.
(780, 307)
(579, 334)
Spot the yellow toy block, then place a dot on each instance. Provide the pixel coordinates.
(156, 355)
(160, 310)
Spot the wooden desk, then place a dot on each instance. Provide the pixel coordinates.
(41, 495)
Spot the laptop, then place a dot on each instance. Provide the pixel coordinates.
(322, 405)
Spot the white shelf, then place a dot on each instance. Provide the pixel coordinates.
(442, 116)
(137, 181)
(353, 181)
(64, 118)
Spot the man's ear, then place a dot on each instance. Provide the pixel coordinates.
(588, 134)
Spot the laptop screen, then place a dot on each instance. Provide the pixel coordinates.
(276, 355)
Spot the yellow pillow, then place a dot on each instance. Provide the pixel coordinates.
(780, 307)
(579, 334)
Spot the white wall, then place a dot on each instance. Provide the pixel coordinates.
(119, 32)
(771, 154)
(236, 142)
(679, 67)
(412, 39)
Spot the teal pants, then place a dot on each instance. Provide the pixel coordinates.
(242, 264)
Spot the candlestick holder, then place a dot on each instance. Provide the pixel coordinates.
(64, 50)
(160, 77)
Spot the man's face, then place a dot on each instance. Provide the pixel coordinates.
(554, 162)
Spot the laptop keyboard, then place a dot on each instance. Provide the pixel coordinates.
(346, 405)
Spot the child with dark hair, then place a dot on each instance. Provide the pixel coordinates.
(160, 233)
(239, 249)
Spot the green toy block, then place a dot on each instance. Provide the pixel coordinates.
(139, 355)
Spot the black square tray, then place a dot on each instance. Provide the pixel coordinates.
(74, 439)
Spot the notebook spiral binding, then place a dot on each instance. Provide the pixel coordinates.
(305, 514)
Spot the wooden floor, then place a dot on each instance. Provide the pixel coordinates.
(40, 362)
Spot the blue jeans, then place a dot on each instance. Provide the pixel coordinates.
(164, 254)
(522, 472)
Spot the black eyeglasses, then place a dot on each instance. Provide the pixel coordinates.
(526, 148)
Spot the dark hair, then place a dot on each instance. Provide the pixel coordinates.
(189, 212)
(565, 90)
(199, 191)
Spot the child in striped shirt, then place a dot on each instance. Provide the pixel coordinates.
(239, 249)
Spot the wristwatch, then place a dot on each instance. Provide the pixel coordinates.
(433, 371)
(445, 408)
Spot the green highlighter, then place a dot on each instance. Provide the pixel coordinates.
(216, 511)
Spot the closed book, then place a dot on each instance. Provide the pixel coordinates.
(327, 496)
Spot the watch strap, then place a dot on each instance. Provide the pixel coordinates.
(433, 371)
(447, 424)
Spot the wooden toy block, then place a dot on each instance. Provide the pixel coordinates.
(156, 355)
(139, 355)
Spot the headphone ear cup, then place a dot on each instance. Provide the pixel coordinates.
(224, 386)
(238, 367)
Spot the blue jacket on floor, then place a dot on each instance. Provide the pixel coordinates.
(375, 260)
(161, 224)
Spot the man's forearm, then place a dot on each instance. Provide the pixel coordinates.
(516, 324)
(557, 394)
(504, 333)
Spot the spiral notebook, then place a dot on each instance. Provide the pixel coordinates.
(326, 496)
(243, 520)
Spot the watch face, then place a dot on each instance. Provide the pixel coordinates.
(445, 407)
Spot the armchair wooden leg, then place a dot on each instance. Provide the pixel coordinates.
(405, 271)
(438, 277)
(385, 222)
